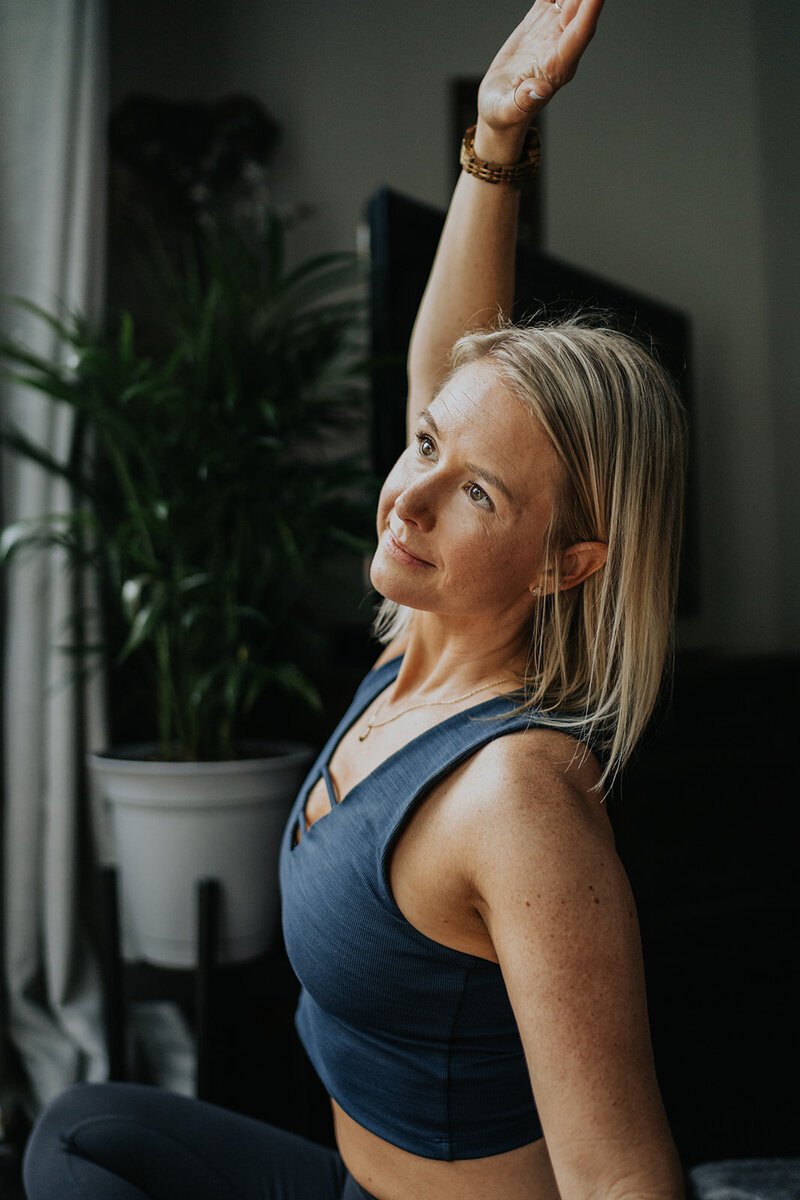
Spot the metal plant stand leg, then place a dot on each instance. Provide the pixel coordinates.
(208, 905)
(157, 979)
(111, 966)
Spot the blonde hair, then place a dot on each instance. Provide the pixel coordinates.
(597, 650)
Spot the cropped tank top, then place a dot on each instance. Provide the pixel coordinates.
(415, 1041)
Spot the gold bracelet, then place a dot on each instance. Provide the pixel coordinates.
(512, 173)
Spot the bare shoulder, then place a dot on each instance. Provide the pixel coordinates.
(537, 776)
(541, 869)
(528, 805)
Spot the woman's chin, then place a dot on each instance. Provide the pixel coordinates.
(385, 582)
(383, 586)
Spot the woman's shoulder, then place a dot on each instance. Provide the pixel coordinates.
(526, 814)
(542, 756)
(532, 786)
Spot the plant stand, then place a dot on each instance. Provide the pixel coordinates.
(208, 906)
(249, 1058)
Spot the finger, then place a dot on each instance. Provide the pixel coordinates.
(532, 94)
(569, 9)
(580, 19)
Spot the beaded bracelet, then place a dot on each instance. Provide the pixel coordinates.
(512, 173)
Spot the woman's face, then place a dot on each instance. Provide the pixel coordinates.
(463, 513)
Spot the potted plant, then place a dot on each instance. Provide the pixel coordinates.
(209, 505)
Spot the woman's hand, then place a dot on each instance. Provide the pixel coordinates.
(541, 55)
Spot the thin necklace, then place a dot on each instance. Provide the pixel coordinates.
(362, 737)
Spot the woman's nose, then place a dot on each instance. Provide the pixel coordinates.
(414, 506)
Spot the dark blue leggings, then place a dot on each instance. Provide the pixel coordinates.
(125, 1141)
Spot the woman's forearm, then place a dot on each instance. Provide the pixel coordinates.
(472, 279)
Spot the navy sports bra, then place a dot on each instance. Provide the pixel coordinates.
(415, 1041)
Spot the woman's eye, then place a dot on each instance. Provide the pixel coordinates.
(476, 493)
(425, 445)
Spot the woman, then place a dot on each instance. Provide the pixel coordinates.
(472, 984)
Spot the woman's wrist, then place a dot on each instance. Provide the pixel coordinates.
(510, 164)
(504, 146)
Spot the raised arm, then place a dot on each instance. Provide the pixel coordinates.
(472, 278)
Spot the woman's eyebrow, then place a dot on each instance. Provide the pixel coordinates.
(494, 480)
(490, 478)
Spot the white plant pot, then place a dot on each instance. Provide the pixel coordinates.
(175, 823)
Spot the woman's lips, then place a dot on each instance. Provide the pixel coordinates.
(403, 555)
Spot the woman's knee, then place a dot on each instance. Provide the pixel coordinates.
(76, 1104)
(51, 1136)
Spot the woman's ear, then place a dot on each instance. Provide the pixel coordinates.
(580, 561)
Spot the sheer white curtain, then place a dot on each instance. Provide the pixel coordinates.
(53, 109)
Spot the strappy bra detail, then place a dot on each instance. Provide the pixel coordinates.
(326, 775)
(371, 687)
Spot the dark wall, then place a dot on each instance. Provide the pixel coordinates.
(707, 827)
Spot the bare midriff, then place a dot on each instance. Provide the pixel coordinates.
(390, 1173)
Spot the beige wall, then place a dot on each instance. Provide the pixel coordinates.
(668, 164)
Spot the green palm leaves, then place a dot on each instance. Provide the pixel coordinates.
(209, 492)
